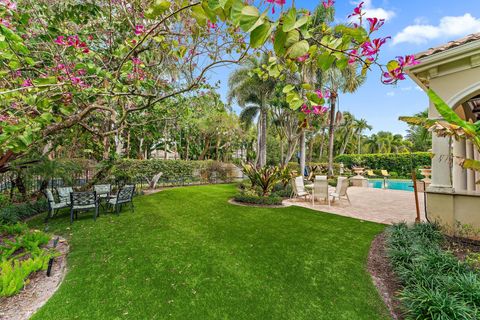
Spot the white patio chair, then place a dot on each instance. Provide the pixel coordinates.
(298, 188)
(64, 194)
(320, 190)
(341, 189)
(53, 206)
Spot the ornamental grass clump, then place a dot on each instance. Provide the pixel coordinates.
(436, 284)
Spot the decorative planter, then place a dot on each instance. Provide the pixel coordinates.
(427, 173)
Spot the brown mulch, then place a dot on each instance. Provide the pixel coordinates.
(39, 288)
(383, 277)
(461, 248)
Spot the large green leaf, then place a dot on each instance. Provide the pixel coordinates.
(298, 49)
(157, 8)
(292, 37)
(325, 61)
(249, 18)
(449, 115)
(472, 164)
(260, 34)
(289, 20)
(279, 42)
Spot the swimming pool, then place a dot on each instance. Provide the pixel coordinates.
(405, 185)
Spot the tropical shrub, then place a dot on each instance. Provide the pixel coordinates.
(401, 163)
(436, 285)
(319, 168)
(265, 177)
(13, 213)
(22, 253)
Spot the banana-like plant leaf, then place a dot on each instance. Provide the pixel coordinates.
(471, 164)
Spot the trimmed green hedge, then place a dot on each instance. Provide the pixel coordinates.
(401, 163)
(322, 167)
(246, 198)
(173, 170)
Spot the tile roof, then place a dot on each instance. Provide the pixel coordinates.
(449, 45)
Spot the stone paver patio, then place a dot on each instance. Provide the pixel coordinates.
(377, 205)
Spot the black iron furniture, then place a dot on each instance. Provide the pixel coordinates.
(54, 206)
(124, 196)
(83, 201)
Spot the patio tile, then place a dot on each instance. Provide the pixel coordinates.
(370, 204)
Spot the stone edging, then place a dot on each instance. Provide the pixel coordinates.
(39, 289)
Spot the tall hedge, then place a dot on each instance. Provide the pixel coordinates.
(400, 163)
(173, 170)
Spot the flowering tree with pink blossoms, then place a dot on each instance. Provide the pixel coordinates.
(92, 64)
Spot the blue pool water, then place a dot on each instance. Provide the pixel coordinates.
(405, 185)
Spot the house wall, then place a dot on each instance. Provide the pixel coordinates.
(451, 201)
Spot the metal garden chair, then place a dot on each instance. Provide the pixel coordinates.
(83, 201)
(124, 196)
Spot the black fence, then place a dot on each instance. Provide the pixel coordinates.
(33, 184)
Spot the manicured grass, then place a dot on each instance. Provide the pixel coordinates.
(187, 254)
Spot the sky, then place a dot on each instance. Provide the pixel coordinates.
(415, 26)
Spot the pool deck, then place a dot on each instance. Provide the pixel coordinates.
(370, 204)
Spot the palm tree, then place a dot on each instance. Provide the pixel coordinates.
(360, 126)
(338, 80)
(419, 136)
(348, 126)
(252, 94)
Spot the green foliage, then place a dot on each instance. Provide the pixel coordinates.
(265, 177)
(260, 200)
(16, 212)
(436, 284)
(319, 168)
(174, 171)
(401, 163)
(21, 256)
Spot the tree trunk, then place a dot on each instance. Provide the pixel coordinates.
(140, 149)
(205, 149)
(262, 145)
(127, 150)
(322, 142)
(310, 149)
(292, 145)
(331, 132)
(345, 143)
(359, 141)
(302, 152)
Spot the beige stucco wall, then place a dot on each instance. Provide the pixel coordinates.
(455, 81)
(458, 214)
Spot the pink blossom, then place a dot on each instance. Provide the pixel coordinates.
(407, 61)
(353, 56)
(319, 109)
(327, 4)
(81, 72)
(370, 49)
(393, 76)
(4, 118)
(375, 23)
(357, 11)
(10, 5)
(27, 83)
(139, 29)
(136, 61)
(5, 22)
(60, 40)
(211, 25)
(303, 58)
(319, 94)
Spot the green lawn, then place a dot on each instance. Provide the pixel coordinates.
(187, 254)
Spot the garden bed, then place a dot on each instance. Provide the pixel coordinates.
(39, 289)
(246, 204)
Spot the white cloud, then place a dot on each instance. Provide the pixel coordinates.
(390, 93)
(448, 27)
(406, 88)
(372, 12)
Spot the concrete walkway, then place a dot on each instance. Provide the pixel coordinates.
(370, 204)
